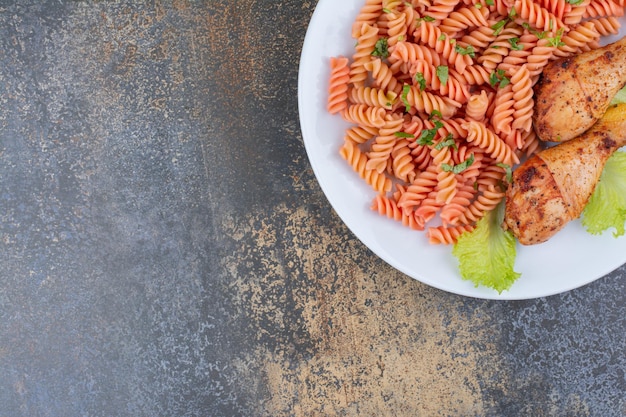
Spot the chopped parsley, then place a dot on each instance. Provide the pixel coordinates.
(435, 113)
(508, 171)
(428, 135)
(381, 49)
(468, 50)
(538, 34)
(420, 80)
(497, 28)
(556, 40)
(458, 168)
(405, 94)
(498, 78)
(448, 142)
(424, 19)
(515, 46)
(443, 74)
(404, 135)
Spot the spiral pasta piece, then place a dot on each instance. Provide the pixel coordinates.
(419, 189)
(575, 14)
(364, 115)
(383, 76)
(442, 235)
(338, 85)
(483, 137)
(538, 16)
(473, 75)
(427, 102)
(440, 9)
(428, 209)
(446, 180)
(410, 53)
(388, 207)
(486, 201)
(451, 212)
(464, 18)
(396, 27)
(357, 160)
(477, 106)
(403, 166)
(540, 56)
(432, 36)
(370, 12)
(523, 102)
(452, 88)
(606, 25)
(603, 8)
(452, 127)
(580, 38)
(479, 38)
(383, 144)
(499, 48)
(368, 36)
(360, 134)
(518, 57)
(373, 97)
(504, 109)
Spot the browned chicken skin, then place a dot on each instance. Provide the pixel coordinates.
(552, 187)
(573, 93)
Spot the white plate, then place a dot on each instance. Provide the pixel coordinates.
(569, 260)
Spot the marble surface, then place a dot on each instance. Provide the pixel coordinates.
(165, 249)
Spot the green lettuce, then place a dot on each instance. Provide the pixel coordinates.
(620, 97)
(487, 254)
(607, 206)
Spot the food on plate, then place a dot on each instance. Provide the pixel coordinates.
(573, 93)
(440, 100)
(553, 186)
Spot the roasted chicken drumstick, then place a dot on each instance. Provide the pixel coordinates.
(573, 93)
(552, 187)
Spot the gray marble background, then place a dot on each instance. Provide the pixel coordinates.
(165, 249)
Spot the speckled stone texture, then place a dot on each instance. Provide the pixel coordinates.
(165, 249)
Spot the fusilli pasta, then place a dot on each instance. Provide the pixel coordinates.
(439, 98)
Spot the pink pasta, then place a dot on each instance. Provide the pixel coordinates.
(488, 140)
(364, 115)
(538, 16)
(353, 155)
(338, 85)
(368, 15)
(438, 95)
(522, 99)
(464, 18)
(606, 25)
(432, 36)
(368, 36)
(477, 106)
(442, 235)
(603, 8)
(384, 143)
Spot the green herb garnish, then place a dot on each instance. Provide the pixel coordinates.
(381, 49)
(442, 74)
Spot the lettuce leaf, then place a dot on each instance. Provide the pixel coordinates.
(487, 254)
(620, 97)
(607, 206)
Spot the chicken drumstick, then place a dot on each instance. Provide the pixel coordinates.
(552, 187)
